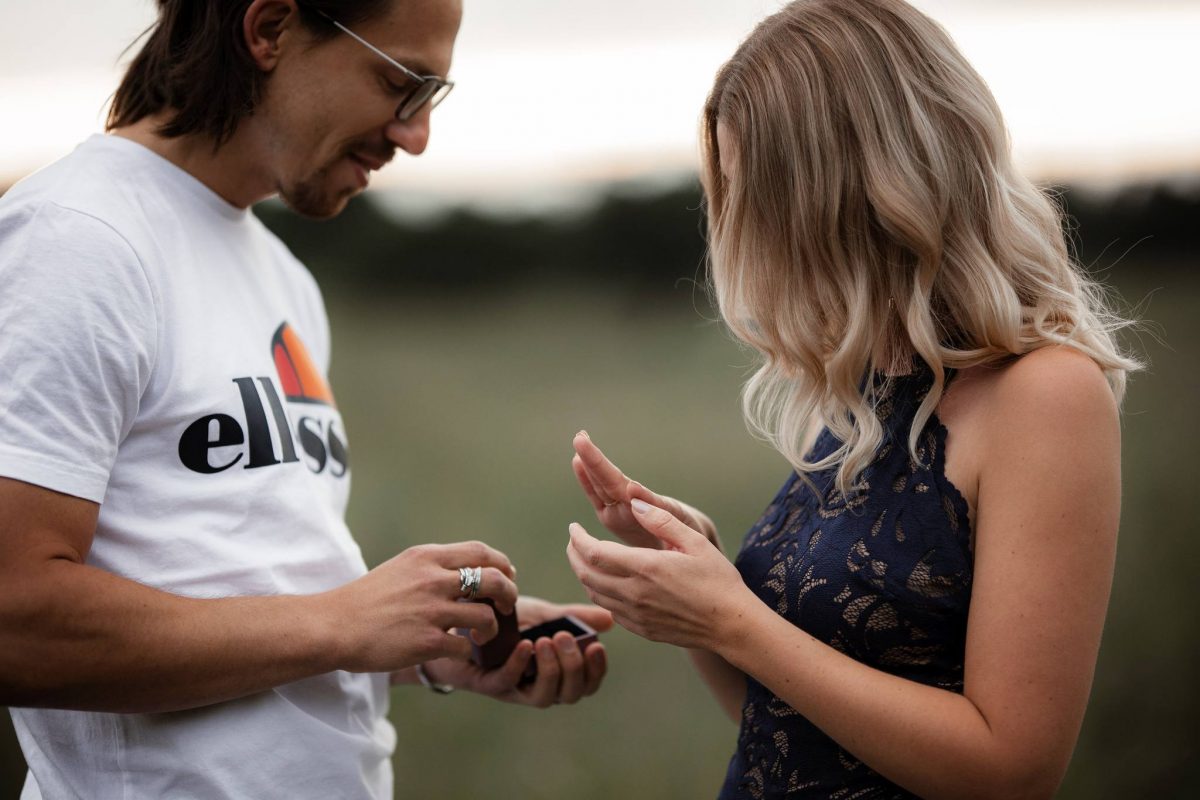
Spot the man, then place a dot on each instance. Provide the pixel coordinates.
(183, 612)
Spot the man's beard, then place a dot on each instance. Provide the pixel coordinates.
(312, 197)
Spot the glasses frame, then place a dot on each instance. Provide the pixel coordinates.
(407, 107)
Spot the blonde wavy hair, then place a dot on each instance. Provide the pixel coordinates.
(874, 216)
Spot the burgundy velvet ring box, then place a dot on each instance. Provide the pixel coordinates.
(496, 651)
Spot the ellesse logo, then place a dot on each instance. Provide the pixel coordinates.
(324, 449)
(301, 381)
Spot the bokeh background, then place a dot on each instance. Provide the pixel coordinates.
(540, 270)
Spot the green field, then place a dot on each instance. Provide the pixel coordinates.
(460, 415)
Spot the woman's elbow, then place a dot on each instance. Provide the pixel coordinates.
(1026, 778)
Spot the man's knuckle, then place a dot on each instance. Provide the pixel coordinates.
(431, 582)
(429, 642)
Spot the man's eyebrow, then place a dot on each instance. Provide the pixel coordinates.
(419, 67)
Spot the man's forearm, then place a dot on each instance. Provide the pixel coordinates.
(83, 638)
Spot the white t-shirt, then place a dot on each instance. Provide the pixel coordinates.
(164, 355)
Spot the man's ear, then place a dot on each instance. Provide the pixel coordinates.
(265, 26)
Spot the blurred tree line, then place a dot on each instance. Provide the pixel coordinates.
(629, 239)
(634, 240)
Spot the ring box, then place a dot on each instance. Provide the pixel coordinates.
(496, 651)
(583, 634)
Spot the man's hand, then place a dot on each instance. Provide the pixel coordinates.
(398, 614)
(611, 493)
(564, 674)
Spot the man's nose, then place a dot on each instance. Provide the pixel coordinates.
(411, 135)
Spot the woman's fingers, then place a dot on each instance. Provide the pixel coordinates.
(605, 601)
(637, 490)
(593, 579)
(603, 561)
(666, 527)
(608, 481)
(608, 557)
(585, 481)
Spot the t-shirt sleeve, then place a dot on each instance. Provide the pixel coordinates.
(78, 338)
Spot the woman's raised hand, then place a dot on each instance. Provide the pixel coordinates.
(687, 595)
(611, 493)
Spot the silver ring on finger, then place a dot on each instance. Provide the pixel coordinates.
(469, 581)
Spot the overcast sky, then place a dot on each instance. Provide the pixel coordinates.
(1099, 89)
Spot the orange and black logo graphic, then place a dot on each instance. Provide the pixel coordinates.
(316, 431)
(298, 376)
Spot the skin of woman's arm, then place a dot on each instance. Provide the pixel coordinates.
(1048, 506)
(726, 682)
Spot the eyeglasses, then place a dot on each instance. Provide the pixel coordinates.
(430, 89)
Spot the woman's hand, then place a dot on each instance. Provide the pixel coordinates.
(611, 493)
(687, 595)
(564, 673)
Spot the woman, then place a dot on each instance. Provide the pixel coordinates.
(919, 610)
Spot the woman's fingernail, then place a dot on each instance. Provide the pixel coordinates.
(584, 434)
(640, 506)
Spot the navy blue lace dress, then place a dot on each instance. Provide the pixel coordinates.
(883, 576)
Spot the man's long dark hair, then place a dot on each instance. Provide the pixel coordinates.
(194, 65)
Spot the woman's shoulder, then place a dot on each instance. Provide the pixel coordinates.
(1025, 411)
(1043, 412)
(1050, 385)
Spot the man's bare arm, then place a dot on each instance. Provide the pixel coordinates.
(75, 636)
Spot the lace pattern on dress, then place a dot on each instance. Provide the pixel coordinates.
(883, 575)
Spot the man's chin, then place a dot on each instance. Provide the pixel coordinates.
(316, 204)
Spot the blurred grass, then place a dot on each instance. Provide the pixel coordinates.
(460, 415)
(477, 405)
